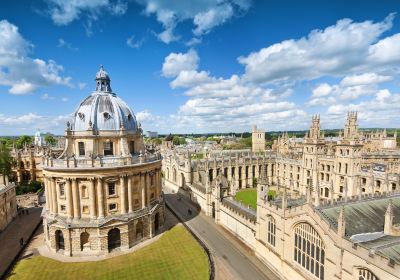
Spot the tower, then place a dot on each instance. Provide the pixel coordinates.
(258, 140)
(348, 158)
(313, 148)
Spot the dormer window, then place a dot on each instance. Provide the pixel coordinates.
(106, 115)
(81, 116)
(129, 117)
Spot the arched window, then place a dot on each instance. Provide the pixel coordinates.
(309, 249)
(365, 274)
(174, 175)
(271, 230)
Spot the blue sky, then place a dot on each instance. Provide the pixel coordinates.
(202, 66)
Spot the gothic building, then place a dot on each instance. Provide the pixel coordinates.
(104, 191)
(337, 212)
(8, 203)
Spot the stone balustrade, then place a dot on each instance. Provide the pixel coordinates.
(73, 162)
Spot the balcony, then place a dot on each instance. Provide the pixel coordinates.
(99, 162)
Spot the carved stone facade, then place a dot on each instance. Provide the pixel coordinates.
(104, 191)
(304, 233)
(8, 203)
(258, 140)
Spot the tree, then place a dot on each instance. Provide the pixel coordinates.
(24, 139)
(50, 140)
(6, 141)
(157, 141)
(178, 140)
(5, 161)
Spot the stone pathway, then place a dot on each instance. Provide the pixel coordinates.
(22, 226)
(37, 246)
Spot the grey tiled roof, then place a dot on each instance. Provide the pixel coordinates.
(363, 216)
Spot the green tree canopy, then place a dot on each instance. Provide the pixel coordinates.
(24, 139)
(50, 140)
(5, 161)
(178, 140)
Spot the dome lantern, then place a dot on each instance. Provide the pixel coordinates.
(103, 82)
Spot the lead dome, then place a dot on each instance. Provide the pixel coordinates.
(103, 109)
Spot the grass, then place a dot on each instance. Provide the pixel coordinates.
(249, 196)
(176, 255)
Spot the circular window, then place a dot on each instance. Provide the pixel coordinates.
(81, 116)
(106, 115)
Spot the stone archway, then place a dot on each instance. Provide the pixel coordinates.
(114, 239)
(85, 241)
(157, 222)
(139, 230)
(60, 245)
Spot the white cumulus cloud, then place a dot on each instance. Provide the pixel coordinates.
(337, 50)
(18, 70)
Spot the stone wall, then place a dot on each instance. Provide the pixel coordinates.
(238, 225)
(28, 200)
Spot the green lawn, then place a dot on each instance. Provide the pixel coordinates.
(176, 255)
(249, 196)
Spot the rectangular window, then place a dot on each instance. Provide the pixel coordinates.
(111, 188)
(81, 146)
(85, 209)
(132, 147)
(112, 206)
(62, 190)
(108, 148)
(62, 208)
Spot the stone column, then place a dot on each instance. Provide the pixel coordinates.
(47, 193)
(148, 187)
(123, 195)
(157, 183)
(130, 194)
(54, 195)
(100, 195)
(75, 199)
(68, 196)
(143, 189)
(92, 200)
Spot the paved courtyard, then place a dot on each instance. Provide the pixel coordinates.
(22, 226)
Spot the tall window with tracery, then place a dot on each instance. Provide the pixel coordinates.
(271, 230)
(365, 274)
(309, 249)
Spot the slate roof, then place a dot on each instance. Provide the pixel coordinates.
(365, 223)
(363, 216)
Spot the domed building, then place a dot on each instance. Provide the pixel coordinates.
(104, 191)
